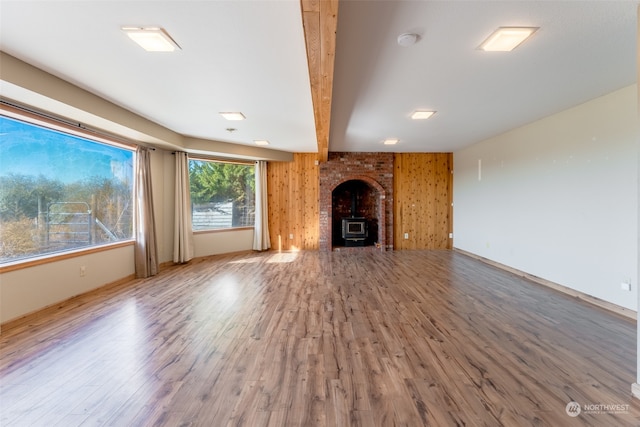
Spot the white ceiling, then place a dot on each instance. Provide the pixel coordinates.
(583, 50)
(249, 56)
(246, 56)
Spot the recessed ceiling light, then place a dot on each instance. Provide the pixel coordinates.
(151, 39)
(233, 116)
(391, 141)
(261, 142)
(422, 114)
(505, 39)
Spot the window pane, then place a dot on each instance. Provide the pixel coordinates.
(222, 194)
(60, 192)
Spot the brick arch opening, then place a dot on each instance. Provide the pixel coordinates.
(358, 197)
(373, 169)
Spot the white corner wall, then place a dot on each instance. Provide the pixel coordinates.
(558, 198)
(30, 289)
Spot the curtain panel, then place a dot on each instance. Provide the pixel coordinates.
(146, 248)
(261, 239)
(183, 246)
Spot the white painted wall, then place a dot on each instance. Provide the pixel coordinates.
(558, 198)
(635, 387)
(221, 242)
(27, 290)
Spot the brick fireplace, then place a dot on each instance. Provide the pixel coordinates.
(357, 185)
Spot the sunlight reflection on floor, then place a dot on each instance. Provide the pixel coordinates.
(282, 257)
(251, 260)
(278, 257)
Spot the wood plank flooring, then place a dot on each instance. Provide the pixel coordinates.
(406, 338)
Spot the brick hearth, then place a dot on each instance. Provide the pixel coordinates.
(376, 170)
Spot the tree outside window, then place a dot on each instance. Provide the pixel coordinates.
(60, 192)
(222, 194)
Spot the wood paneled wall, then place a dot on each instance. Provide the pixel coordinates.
(423, 186)
(423, 190)
(293, 202)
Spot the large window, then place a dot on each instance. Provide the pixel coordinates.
(222, 194)
(60, 191)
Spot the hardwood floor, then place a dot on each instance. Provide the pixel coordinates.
(310, 339)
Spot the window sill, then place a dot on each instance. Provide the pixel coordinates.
(222, 230)
(47, 259)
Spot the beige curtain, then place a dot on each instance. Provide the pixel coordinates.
(146, 249)
(261, 240)
(183, 247)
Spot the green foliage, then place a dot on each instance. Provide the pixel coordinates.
(213, 182)
(23, 231)
(19, 195)
(52, 183)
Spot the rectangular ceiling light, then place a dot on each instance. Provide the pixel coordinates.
(505, 39)
(421, 114)
(261, 142)
(151, 39)
(233, 115)
(391, 141)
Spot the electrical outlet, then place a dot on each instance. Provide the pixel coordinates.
(290, 236)
(626, 285)
(83, 271)
(406, 236)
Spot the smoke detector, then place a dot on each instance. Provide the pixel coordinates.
(408, 39)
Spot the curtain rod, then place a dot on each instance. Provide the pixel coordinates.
(71, 124)
(231, 160)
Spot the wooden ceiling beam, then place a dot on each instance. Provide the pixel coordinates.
(320, 22)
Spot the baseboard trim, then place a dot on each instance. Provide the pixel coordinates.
(635, 390)
(31, 319)
(622, 311)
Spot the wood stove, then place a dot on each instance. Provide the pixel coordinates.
(354, 231)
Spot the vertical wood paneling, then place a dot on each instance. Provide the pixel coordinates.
(422, 200)
(293, 202)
